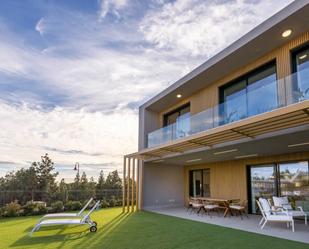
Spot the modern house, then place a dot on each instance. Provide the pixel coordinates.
(235, 127)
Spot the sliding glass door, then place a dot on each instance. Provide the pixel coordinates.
(294, 180)
(199, 183)
(263, 184)
(282, 179)
(301, 68)
(252, 94)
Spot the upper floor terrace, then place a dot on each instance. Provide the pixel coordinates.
(258, 94)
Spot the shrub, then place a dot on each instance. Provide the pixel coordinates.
(29, 208)
(73, 206)
(42, 209)
(112, 201)
(57, 206)
(104, 203)
(32, 208)
(12, 209)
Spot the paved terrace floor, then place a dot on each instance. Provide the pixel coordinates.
(250, 224)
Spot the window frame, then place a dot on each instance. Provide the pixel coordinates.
(177, 110)
(277, 173)
(245, 78)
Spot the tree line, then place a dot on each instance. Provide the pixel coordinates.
(38, 183)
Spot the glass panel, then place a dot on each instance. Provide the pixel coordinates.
(302, 68)
(162, 135)
(183, 125)
(262, 92)
(294, 183)
(260, 96)
(206, 183)
(263, 184)
(235, 103)
(197, 183)
(171, 118)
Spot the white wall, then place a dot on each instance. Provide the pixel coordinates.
(163, 186)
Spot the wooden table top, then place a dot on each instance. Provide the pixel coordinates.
(217, 199)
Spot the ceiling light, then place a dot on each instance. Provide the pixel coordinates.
(296, 145)
(194, 160)
(179, 96)
(286, 33)
(302, 56)
(246, 156)
(225, 151)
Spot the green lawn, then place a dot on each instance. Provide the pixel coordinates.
(137, 230)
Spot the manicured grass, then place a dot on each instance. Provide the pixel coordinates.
(138, 230)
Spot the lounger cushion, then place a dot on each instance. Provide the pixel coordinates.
(211, 206)
(280, 218)
(60, 222)
(265, 205)
(282, 202)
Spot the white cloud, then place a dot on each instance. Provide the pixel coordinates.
(40, 26)
(199, 27)
(110, 6)
(67, 135)
(103, 72)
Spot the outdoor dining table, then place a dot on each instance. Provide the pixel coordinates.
(222, 202)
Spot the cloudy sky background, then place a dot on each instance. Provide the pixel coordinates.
(73, 73)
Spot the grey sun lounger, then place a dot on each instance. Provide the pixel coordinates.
(84, 220)
(67, 215)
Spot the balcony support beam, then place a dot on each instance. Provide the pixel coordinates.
(201, 144)
(242, 133)
(306, 111)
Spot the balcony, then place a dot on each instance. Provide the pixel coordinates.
(261, 97)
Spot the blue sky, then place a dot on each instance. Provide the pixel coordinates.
(73, 73)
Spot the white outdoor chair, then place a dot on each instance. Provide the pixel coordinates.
(85, 220)
(67, 215)
(210, 207)
(270, 216)
(196, 206)
(283, 203)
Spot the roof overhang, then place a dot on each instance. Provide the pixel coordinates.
(264, 38)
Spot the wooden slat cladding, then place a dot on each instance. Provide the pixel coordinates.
(229, 180)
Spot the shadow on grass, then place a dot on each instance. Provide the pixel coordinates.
(68, 234)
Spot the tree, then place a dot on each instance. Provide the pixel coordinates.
(113, 180)
(113, 184)
(99, 189)
(46, 179)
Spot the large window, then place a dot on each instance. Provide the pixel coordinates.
(178, 121)
(199, 183)
(301, 70)
(283, 179)
(250, 95)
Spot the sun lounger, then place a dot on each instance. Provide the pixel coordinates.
(67, 215)
(85, 220)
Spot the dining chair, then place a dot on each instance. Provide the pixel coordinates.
(239, 208)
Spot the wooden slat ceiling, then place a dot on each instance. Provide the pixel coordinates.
(271, 123)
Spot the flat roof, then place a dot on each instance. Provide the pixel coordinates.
(256, 43)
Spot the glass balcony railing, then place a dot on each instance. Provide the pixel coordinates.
(260, 97)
